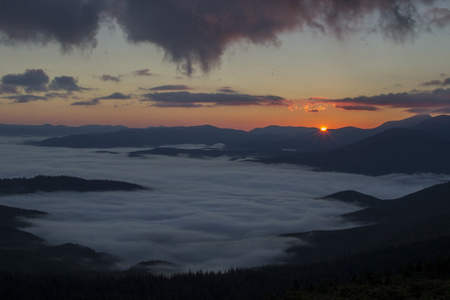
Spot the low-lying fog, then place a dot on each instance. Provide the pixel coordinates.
(202, 214)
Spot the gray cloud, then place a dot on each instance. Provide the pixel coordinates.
(115, 96)
(170, 87)
(227, 89)
(358, 107)
(8, 89)
(194, 33)
(106, 77)
(70, 23)
(436, 99)
(67, 83)
(32, 80)
(96, 101)
(25, 98)
(86, 103)
(144, 72)
(444, 82)
(202, 214)
(186, 99)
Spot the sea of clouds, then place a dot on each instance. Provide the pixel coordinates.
(210, 214)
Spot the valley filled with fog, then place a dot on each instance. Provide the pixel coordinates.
(209, 214)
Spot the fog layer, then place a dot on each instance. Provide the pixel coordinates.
(201, 214)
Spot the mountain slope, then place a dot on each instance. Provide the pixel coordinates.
(420, 216)
(152, 137)
(392, 151)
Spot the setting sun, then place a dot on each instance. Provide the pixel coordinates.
(323, 128)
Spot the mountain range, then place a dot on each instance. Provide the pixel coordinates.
(413, 145)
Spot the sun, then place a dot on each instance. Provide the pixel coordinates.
(323, 128)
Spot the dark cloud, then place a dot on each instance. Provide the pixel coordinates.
(115, 96)
(195, 33)
(67, 83)
(432, 83)
(435, 99)
(144, 72)
(226, 89)
(96, 101)
(313, 111)
(358, 107)
(8, 89)
(170, 87)
(25, 98)
(70, 22)
(33, 80)
(87, 103)
(186, 99)
(106, 77)
(439, 17)
(59, 95)
(444, 82)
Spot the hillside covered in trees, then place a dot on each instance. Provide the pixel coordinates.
(41, 183)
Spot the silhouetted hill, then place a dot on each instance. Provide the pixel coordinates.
(431, 201)
(437, 127)
(9, 215)
(420, 216)
(355, 197)
(301, 139)
(42, 183)
(405, 123)
(23, 251)
(392, 151)
(158, 136)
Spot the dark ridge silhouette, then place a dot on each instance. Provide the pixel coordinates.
(9, 215)
(152, 137)
(43, 183)
(420, 216)
(355, 197)
(302, 139)
(395, 150)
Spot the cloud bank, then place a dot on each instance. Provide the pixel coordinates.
(186, 99)
(201, 214)
(195, 33)
(437, 100)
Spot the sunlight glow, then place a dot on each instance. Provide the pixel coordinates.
(323, 128)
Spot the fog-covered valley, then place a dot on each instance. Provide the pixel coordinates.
(208, 214)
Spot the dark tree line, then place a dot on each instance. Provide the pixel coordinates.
(411, 271)
(43, 183)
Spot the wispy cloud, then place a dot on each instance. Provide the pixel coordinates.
(143, 72)
(186, 99)
(425, 100)
(96, 101)
(437, 82)
(106, 77)
(170, 87)
(25, 98)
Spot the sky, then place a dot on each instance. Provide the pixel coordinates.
(209, 214)
(233, 64)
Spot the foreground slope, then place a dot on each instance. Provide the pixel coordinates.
(420, 216)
